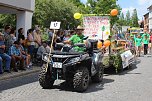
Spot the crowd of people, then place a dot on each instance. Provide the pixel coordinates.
(19, 52)
(140, 42)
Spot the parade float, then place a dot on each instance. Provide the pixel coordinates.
(117, 53)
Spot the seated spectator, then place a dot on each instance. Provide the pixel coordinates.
(41, 50)
(66, 37)
(16, 56)
(21, 34)
(13, 37)
(7, 37)
(4, 56)
(26, 56)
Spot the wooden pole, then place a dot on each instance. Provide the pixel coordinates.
(51, 48)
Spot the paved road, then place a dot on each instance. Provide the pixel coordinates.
(131, 85)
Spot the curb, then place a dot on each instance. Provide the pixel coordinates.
(18, 74)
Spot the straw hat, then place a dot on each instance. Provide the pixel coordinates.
(80, 28)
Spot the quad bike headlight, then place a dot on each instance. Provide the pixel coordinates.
(73, 60)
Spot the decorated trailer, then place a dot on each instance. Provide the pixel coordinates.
(117, 53)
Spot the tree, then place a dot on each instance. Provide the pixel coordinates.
(7, 19)
(122, 16)
(103, 7)
(134, 19)
(121, 21)
(55, 10)
(128, 18)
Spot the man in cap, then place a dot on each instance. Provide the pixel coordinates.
(77, 38)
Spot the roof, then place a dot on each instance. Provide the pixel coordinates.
(146, 14)
(149, 7)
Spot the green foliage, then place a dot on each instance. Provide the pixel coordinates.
(6, 19)
(55, 10)
(135, 19)
(113, 60)
(103, 7)
(117, 62)
(128, 20)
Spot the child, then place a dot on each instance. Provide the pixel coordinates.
(132, 44)
(138, 44)
(26, 56)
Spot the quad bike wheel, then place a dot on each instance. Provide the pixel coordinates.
(45, 79)
(98, 77)
(81, 79)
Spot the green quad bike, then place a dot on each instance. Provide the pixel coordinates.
(75, 67)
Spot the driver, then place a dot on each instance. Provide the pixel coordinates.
(77, 38)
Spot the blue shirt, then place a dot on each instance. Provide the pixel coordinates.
(14, 51)
(1, 49)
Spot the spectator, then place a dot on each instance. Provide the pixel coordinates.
(30, 42)
(13, 37)
(145, 39)
(7, 37)
(72, 32)
(41, 50)
(21, 34)
(26, 56)
(150, 42)
(62, 34)
(66, 37)
(4, 56)
(50, 32)
(37, 39)
(16, 56)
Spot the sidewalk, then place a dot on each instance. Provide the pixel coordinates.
(5, 76)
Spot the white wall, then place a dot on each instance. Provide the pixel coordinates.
(24, 20)
(25, 4)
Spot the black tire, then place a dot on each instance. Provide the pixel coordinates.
(81, 79)
(45, 79)
(98, 77)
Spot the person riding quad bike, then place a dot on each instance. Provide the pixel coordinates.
(77, 38)
(73, 63)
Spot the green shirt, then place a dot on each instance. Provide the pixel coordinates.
(77, 39)
(138, 41)
(144, 40)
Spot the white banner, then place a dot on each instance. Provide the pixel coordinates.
(127, 58)
(97, 27)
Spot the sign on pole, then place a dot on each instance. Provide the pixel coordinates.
(55, 25)
(97, 27)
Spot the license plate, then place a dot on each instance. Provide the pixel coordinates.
(57, 65)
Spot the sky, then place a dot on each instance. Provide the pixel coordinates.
(140, 5)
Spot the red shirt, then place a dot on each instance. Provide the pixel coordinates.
(151, 38)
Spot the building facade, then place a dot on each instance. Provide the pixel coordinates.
(146, 21)
(150, 17)
(22, 8)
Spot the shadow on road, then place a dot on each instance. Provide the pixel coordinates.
(93, 87)
(16, 82)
